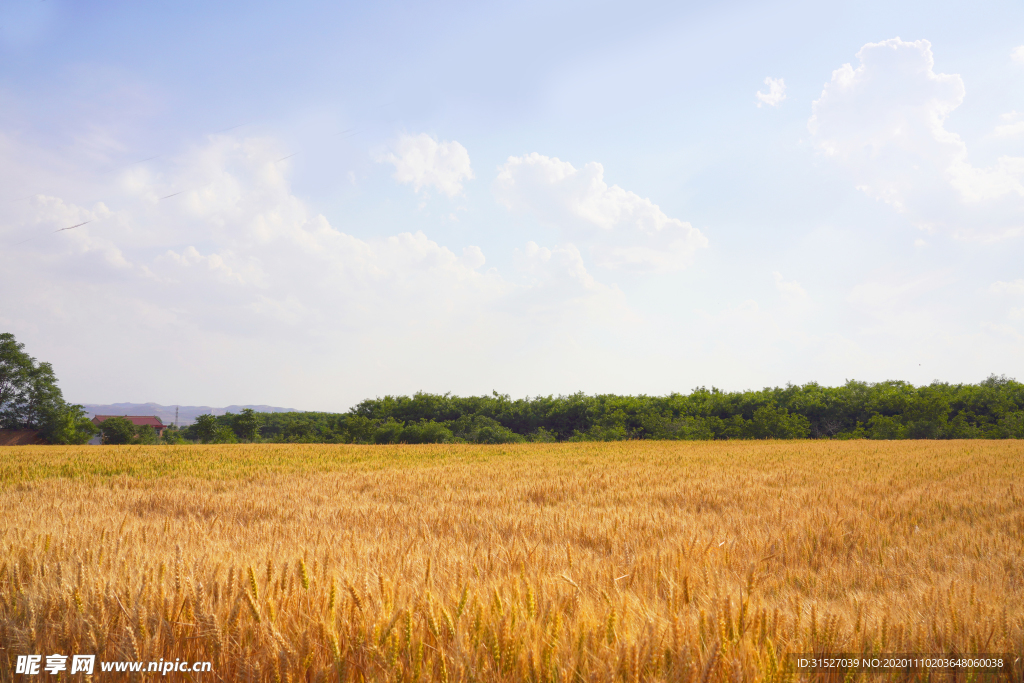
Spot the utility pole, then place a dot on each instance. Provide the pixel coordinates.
(175, 416)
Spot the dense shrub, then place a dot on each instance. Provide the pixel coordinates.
(993, 409)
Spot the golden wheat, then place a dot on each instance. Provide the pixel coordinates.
(636, 561)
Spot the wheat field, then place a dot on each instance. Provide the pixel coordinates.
(630, 561)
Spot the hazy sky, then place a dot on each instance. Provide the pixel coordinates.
(306, 204)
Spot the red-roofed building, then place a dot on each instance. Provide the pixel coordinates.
(137, 420)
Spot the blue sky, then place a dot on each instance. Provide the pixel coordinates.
(313, 203)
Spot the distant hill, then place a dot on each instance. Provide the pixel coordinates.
(186, 414)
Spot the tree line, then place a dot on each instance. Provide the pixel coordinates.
(992, 409)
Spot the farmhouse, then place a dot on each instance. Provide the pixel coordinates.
(137, 420)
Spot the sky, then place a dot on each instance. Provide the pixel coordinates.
(307, 204)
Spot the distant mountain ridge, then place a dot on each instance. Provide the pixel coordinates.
(186, 414)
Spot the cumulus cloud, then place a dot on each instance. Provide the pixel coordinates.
(1018, 54)
(1014, 287)
(1013, 127)
(424, 162)
(190, 259)
(562, 262)
(561, 269)
(776, 92)
(791, 289)
(234, 266)
(560, 194)
(233, 242)
(892, 102)
(886, 121)
(626, 230)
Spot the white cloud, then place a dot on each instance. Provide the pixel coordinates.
(885, 121)
(674, 255)
(216, 264)
(473, 257)
(1018, 54)
(560, 194)
(237, 270)
(560, 270)
(626, 230)
(776, 92)
(791, 289)
(1015, 287)
(424, 162)
(893, 99)
(1013, 127)
(563, 262)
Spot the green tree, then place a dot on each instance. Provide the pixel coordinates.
(1012, 426)
(224, 434)
(145, 434)
(691, 429)
(15, 370)
(427, 431)
(205, 428)
(543, 436)
(926, 415)
(31, 399)
(482, 429)
(302, 431)
(770, 422)
(173, 435)
(360, 429)
(993, 408)
(390, 431)
(117, 430)
(247, 425)
(68, 424)
(885, 427)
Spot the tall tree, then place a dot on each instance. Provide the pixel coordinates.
(31, 399)
(205, 428)
(15, 370)
(247, 424)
